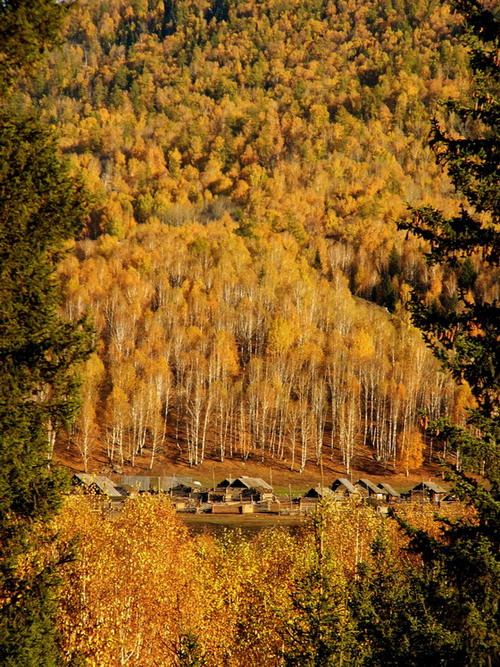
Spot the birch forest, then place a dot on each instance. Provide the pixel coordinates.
(247, 164)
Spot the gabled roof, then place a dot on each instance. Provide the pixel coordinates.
(368, 484)
(104, 484)
(183, 486)
(388, 489)
(429, 486)
(342, 481)
(319, 492)
(251, 483)
(224, 484)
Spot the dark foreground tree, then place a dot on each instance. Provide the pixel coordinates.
(41, 207)
(461, 574)
(27, 28)
(465, 336)
(394, 623)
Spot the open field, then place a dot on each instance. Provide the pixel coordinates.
(248, 524)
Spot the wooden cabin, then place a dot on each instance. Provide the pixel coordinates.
(314, 495)
(342, 488)
(250, 488)
(368, 489)
(182, 490)
(222, 493)
(242, 488)
(429, 491)
(390, 494)
(98, 485)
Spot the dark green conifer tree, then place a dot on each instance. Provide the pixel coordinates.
(461, 574)
(394, 624)
(41, 207)
(466, 338)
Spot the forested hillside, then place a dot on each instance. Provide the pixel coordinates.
(248, 163)
(229, 346)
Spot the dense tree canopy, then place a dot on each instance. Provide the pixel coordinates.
(248, 161)
(27, 29)
(301, 132)
(41, 207)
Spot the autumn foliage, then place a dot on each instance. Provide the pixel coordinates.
(248, 163)
(215, 346)
(142, 591)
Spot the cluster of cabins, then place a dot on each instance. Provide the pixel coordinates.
(248, 494)
(343, 488)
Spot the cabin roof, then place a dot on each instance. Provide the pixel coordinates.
(224, 483)
(429, 486)
(368, 484)
(181, 485)
(389, 489)
(342, 481)
(104, 484)
(318, 492)
(251, 483)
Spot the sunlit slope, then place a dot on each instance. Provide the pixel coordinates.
(311, 117)
(248, 162)
(212, 345)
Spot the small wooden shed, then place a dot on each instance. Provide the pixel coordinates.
(390, 494)
(226, 508)
(368, 489)
(429, 491)
(343, 488)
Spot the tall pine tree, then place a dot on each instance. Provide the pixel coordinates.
(461, 574)
(465, 337)
(41, 207)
